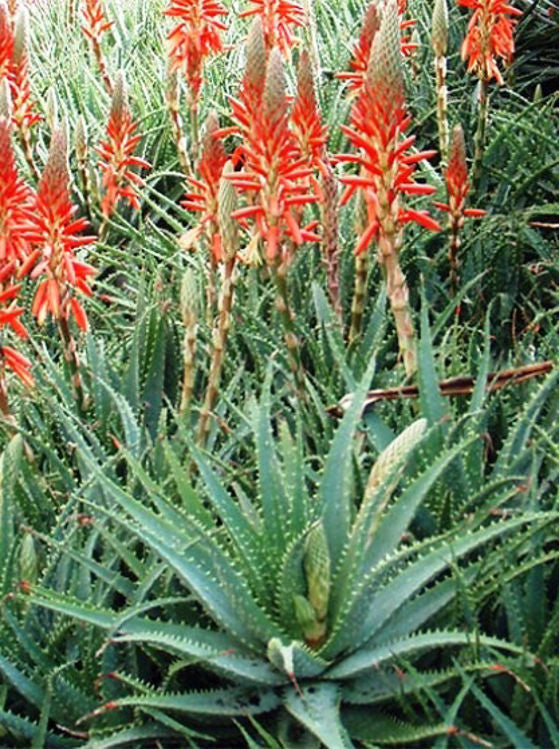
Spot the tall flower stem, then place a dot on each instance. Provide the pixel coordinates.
(287, 317)
(398, 295)
(71, 358)
(4, 405)
(194, 131)
(173, 105)
(481, 130)
(439, 42)
(218, 347)
(358, 301)
(189, 308)
(331, 247)
(442, 107)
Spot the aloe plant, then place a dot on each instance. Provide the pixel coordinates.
(312, 600)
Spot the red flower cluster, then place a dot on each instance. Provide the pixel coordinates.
(116, 153)
(14, 67)
(377, 123)
(15, 199)
(275, 173)
(305, 117)
(277, 16)
(196, 36)
(457, 181)
(205, 199)
(95, 22)
(362, 51)
(489, 36)
(53, 230)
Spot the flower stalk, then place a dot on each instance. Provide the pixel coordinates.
(457, 187)
(189, 309)
(227, 200)
(439, 41)
(377, 123)
(95, 25)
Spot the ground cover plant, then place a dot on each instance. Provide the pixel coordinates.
(278, 373)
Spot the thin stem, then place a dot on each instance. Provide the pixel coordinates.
(101, 64)
(398, 294)
(330, 243)
(194, 131)
(358, 301)
(481, 131)
(287, 317)
(442, 108)
(25, 138)
(173, 104)
(456, 222)
(73, 362)
(219, 341)
(189, 358)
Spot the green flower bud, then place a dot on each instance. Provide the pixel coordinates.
(317, 570)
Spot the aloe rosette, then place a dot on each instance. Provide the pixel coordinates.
(311, 607)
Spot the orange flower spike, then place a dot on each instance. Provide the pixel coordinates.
(15, 198)
(117, 153)
(273, 167)
(6, 40)
(362, 51)
(205, 197)
(458, 188)
(55, 231)
(196, 36)
(489, 37)
(279, 18)
(23, 115)
(305, 117)
(378, 121)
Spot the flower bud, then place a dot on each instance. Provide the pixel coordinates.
(28, 560)
(274, 99)
(313, 630)
(228, 227)
(52, 109)
(317, 570)
(385, 74)
(255, 69)
(80, 139)
(189, 298)
(394, 454)
(21, 36)
(439, 28)
(5, 100)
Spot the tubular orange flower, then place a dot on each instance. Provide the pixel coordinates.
(311, 134)
(94, 26)
(377, 124)
(196, 36)
(14, 197)
(205, 199)
(274, 167)
(458, 186)
(489, 36)
(362, 50)
(278, 18)
(116, 153)
(54, 231)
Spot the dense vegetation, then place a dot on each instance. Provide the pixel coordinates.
(286, 477)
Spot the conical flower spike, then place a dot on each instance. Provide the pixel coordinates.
(439, 28)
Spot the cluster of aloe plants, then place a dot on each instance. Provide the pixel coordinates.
(256, 488)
